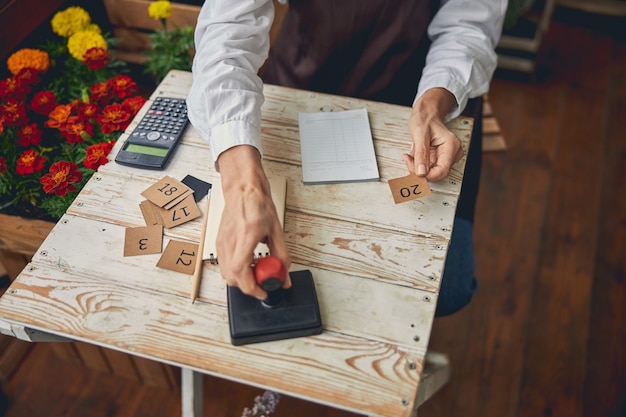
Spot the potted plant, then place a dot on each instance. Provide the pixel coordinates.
(61, 110)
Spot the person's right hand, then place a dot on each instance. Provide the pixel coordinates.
(434, 148)
(249, 217)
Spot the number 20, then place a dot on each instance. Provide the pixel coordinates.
(406, 192)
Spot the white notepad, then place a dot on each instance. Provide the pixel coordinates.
(337, 147)
(216, 207)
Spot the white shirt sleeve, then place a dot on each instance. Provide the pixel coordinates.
(225, 99)
(461, 59)
(232, 43)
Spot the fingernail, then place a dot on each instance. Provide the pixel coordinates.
(421, 169)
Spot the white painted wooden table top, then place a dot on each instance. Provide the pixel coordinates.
(376, 265)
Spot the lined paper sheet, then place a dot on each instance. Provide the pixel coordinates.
(337, 147)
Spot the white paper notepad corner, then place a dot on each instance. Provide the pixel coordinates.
(337, 147)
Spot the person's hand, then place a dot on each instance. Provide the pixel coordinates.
(435, 148)
(249, 217)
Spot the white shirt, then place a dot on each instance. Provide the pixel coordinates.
(232, 42)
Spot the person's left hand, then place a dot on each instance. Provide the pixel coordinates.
(435, 148)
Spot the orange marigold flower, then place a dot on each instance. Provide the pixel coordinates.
(58, 117)
(114, 117)
(96, 155)
(96, 58)
(134, 104)
(28, 58)
(60, 178)
(29, 135)
(122, 86)
(100, 92)
(44, 102)
(75, 129)
(29, 162)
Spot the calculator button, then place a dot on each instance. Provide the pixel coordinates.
(153, 136)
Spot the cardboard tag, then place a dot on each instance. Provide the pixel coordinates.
(178, 199)
(166, 190)
(182, 212)
(143, 240)
(179, 256)
(150, 213)
(408, 188)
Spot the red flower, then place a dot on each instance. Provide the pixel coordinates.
(13, 112)
(74, 130)
(1, 125)
(29, 135)
(13, 88)
(100, 92)
(3, 163)
(122, 86)
(114, 117)
(58, 117)
(60, 178)
(96, 155)
(28, 76)
(29, 162)
(134, 104)
(88, 111)
(96, 58)
(44, 102)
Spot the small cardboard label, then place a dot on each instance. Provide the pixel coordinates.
(143, 240)
(165, 191)
(408, 188)
(150, 213)
(179, 256)
(182, 212)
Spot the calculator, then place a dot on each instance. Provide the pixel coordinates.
(151, 144)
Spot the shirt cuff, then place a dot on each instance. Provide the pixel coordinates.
(451, 84)
(234, 133)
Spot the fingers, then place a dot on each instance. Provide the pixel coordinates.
(434, 163)
(278, 248)
(421, 162)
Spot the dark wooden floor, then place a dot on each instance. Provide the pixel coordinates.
(545, 335)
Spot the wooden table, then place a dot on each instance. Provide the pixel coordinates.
(377, 268)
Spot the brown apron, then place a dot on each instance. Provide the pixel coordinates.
(372, 49)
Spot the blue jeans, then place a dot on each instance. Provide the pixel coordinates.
(458, 284)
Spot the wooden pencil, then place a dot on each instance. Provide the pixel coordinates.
(197, 273)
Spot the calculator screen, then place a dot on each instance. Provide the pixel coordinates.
(147, 150)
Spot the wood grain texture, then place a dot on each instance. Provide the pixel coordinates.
(377, 269)
(486, 342)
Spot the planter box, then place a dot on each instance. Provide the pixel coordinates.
(132, 24)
